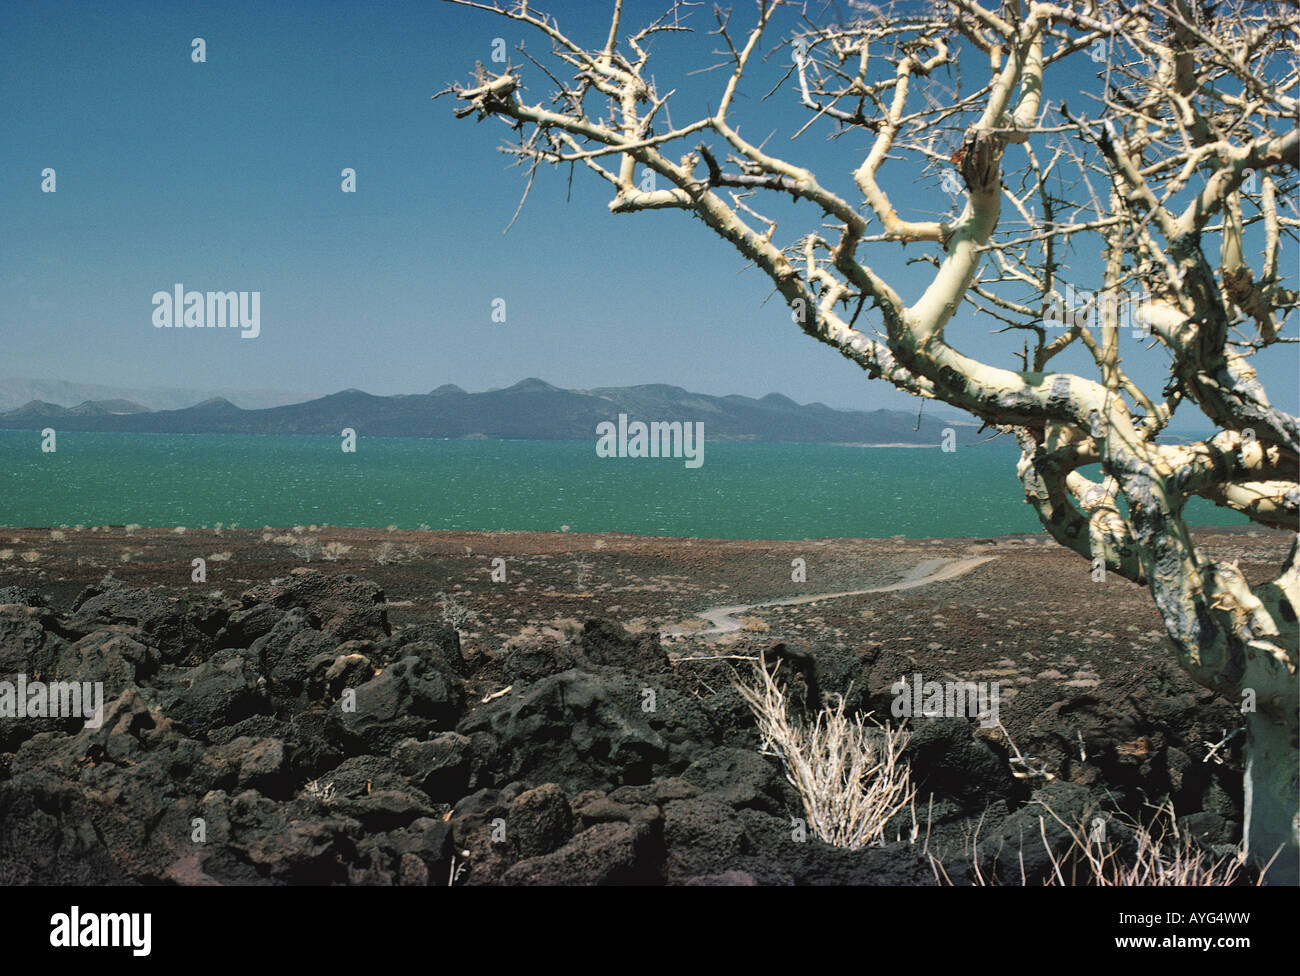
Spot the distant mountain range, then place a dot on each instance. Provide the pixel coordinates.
(17, 391)
(530, 410)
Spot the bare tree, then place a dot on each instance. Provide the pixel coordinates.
(1173, 167)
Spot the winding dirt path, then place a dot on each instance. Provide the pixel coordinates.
(923, 573)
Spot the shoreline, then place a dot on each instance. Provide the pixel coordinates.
(229, 530)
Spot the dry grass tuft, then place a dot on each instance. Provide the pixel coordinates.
(1159, 856)
(849, 775)
(304, 548)
(321, 792)
(334, 551)
(1165, 857)
(454, 614)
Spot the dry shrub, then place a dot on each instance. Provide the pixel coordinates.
(307, 548)
(1159, 855)
(1165, 857)
(849, 775)
(454, 614)
(334, 551)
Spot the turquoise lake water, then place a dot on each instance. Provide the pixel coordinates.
(742, 491)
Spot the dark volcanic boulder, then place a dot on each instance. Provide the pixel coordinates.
(528, 662)
(261, 764)
(606, 642)
(252, 839)
(346, 666)
(103, 804)
(166, 622)
(247, 624)
(606, 854)
(370, 790)
(441, 767)
(1029, 839)
(28, 642)
(539, 820)
(703, 836)
(21, 596)
(108, 656)
(948, 760)
(348, 608)
(739, 778)
(218, 692)
(407, 700)
(285, 654)
(576, 728)
(426, 838)
(434, 641)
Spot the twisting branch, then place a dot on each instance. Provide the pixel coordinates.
(1180, 170)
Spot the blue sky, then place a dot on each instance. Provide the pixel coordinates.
(225, 176)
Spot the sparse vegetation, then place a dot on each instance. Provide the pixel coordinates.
(1155, 854)
(320, 792)
(850, 776)
(453, 613)
(305, 548)
(334, 551)
(581, 567)
(1164, 857)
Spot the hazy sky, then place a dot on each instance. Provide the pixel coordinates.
(226, 176)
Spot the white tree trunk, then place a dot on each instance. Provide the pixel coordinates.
(1272, 794)
(1234, 637)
